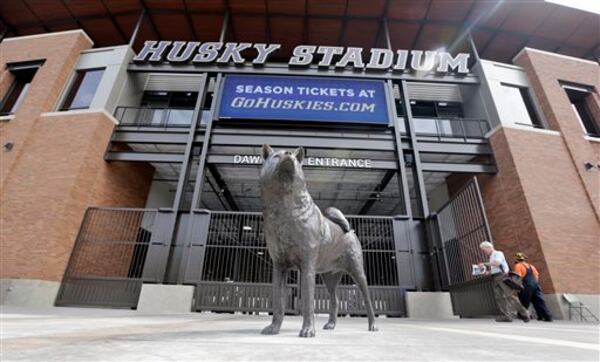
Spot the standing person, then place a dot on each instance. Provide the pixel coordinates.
(504, 295)
(532, 292)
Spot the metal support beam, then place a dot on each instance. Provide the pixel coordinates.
(186, 165)
(458, 167)
(149, 137)
(227, 24)
(223, 187)
(224, 26)
(136, 30)
(43, 24)
(200, 175)
(402, 180)
(421, 26)
(455, 148)
(382, 28)
(374, 196)
(283, 69)
(344, 24)
(473, 48)
(199, 182)
(151, 21)
(113, 21)
(388, 40)
(190, 23)
(132, 156)
(420, 184)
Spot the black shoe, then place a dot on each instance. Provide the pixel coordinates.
(549, 320)
(525, 319)
(503, 319)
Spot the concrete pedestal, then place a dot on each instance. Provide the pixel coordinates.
(165, 299)
(28, 292)
(560, 308)
(429, 305)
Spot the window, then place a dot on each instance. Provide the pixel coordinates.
(83, 89)
(23, 75)
(579, 97)
(172, 108)
(522, 110)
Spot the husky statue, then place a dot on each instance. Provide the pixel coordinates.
(299, 236)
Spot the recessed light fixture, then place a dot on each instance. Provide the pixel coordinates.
(247, 228)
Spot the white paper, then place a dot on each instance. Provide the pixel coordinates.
(477, 270)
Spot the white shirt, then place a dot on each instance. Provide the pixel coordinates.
(497, 257)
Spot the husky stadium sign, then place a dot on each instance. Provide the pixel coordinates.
(196, 53)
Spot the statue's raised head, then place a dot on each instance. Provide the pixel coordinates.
(281, 165)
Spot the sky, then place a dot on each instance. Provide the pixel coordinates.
(587, 5)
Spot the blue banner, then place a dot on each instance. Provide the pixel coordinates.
(303, 99)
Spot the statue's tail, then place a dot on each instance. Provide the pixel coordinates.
(337, 217)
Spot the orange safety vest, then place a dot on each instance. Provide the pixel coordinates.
(521, 269)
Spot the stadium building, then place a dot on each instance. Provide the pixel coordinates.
(131, 135)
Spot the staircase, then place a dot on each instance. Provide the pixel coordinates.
(578, 310)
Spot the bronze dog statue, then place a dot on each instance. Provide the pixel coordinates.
(299, 236)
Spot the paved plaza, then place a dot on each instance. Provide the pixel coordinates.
(86, 334)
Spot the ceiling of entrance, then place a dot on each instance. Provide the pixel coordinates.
(499, 28)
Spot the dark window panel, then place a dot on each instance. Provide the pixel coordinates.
(83, 89)
(579, 103)
(523, 107)
(17, 91)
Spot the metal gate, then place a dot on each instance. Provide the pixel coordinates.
(237, 270)
(107, 265)
(462, 226)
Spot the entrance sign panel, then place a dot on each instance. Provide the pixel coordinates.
(303, 99)
(310, 161)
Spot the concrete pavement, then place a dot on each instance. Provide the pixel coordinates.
(85, 334)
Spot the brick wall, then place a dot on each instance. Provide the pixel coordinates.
(542, 201)
(545, 70)
(56, 168)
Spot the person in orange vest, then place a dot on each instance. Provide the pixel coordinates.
(532, 292)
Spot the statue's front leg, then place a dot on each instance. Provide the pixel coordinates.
(278, 300)
(308, 300)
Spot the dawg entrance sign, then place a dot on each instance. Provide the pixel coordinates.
(310, 161)
(283, 98)
(181, 52)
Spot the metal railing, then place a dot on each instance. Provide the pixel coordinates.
(462, 228)
(455, 128)
(578, 310)
(107, 262)
(154, 116)
(237, 269)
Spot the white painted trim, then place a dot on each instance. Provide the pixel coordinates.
(492, 131)
(34, 36)
(552, 54)
(105, 49)
(80, 111)
(508, 66)
(522, 128)
(592, 139)
(7, 118)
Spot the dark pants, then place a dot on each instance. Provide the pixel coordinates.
(532, 294)
(506, 297)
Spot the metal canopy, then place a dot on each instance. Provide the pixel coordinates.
(499, 28)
